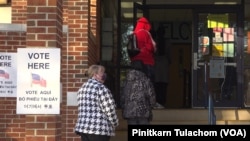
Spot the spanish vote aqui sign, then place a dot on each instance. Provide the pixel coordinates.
(38, 81)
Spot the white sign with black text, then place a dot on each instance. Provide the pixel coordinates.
(8, 76)
(38, 81)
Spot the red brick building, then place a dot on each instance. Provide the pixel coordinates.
(68, 25)
(76, 28)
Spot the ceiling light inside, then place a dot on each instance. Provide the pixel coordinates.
(130, 15)
(128, 4)
(225, 3)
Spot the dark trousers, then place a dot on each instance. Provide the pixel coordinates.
(93, 137)
(228, 82)
(150, 72)
(161, 92)
(138, 121)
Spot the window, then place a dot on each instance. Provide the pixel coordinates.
(5, 7)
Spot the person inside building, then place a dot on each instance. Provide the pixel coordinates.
(147, 46)
(162, 62)
(97, 117)
(138, 96)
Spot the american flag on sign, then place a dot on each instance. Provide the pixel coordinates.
(4, 74)
(37, 79)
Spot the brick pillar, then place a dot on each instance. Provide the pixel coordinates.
(18, 11)
(44, 23)
(77, 55)
(44, 29)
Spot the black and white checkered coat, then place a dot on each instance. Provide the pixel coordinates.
(96, 109)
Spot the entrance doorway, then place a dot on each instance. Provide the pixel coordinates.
(179, 89)
(177, 52)
(217, 45)
(187, 80)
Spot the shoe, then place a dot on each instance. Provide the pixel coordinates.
(158, 106)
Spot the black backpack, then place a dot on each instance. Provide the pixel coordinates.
(132, 48)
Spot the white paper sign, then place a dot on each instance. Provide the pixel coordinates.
(38, 81)
(217, 68)
(8, 76)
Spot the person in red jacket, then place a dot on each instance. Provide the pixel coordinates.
(147, 46)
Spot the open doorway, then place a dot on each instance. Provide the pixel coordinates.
(178, 38)
(184, 24)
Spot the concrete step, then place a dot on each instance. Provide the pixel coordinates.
(193, 116)
(120, 136)
(187, 117)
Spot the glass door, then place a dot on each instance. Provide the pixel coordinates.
(127, 27)
(217, 47)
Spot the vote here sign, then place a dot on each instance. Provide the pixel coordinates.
(38, 81)
(7, 74)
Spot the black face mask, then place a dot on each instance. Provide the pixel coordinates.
(104, 77)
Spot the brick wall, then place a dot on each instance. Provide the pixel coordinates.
(10, 40)
(19, 10)
(44, 20)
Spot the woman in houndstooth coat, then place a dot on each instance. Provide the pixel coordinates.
(97, 116)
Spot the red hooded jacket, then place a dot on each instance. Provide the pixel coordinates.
(145, 42)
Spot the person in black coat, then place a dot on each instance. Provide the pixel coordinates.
(138, 97)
